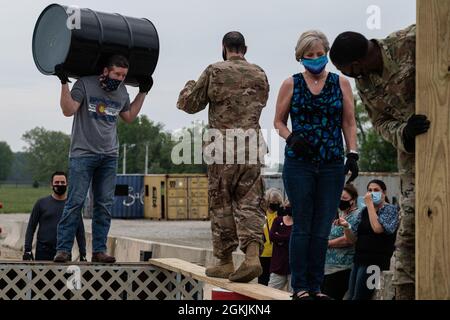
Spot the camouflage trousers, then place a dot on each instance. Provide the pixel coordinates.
(236, 196)
(404, 269)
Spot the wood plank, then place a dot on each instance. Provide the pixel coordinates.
(252, 290)
(433, 151)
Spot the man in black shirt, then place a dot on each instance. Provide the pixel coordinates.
(47, 213)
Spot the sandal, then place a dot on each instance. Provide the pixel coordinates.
(321, 297)
(305, 296)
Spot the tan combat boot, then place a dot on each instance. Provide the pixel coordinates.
(250, 268)
(221, 269)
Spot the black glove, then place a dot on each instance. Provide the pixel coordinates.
(28, 256)
(299, 145)
(145, 84)
(83, 257)
(417, 125)
(61, 73)
(352, 165)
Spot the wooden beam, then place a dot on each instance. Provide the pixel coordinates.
(251, 290)
(433, 151)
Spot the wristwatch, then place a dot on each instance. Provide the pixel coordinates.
(353, 151)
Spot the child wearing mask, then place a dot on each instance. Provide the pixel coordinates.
(273, 202)
(280, 234)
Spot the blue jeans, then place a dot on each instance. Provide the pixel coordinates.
(101, 170)
(357, 287)
(314, 191)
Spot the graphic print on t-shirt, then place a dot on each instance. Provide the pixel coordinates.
(104, 109)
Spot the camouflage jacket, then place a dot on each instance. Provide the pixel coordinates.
(236, 92)
(390, 98)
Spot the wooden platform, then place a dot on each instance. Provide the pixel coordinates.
(251, 290)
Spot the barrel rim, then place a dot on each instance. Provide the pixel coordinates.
(45, 72)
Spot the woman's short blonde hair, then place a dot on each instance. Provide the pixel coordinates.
(273, 195)
(307, 40)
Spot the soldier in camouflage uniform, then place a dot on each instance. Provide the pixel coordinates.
(236, 92)
(385, 79)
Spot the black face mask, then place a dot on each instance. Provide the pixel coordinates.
(345, 205)
(274, 207)
(224, 55)
(288, 211)
(59, 190)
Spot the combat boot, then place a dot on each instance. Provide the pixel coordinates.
(251, 267)
(221, 269)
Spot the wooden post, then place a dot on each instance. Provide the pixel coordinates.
(433, 151)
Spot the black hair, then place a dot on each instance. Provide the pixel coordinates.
(348, 47)
(58, 173)
(235, 42)
(352, 191)
(382, 186)
(118, 60)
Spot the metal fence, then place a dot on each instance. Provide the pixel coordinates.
(35, 281)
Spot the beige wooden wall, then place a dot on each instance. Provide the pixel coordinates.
(433, 151)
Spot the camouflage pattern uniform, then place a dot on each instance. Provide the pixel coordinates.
(236, 92)
(390, 100)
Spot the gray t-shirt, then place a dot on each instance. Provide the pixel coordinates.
(94, 129)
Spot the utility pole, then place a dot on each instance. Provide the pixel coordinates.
(124, 169)
(146, 158)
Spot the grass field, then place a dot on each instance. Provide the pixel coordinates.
(20, 199)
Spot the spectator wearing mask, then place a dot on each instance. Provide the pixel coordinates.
(341, 251)
(280, 234)
(374, 234)
(46, 214)
(273, 201)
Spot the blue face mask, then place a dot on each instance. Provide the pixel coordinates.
(377, 198)
(315, 66)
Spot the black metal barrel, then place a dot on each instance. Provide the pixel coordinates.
(84, 39)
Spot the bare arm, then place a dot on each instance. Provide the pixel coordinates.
(68, 105)
(341, 242)
(283, 107)
(135, 107)
(348, 120)
(373, 217)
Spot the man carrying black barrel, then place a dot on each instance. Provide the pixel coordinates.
(95, 102)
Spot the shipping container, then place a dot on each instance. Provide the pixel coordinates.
(155, 197)
(177, 200)
(130, 206)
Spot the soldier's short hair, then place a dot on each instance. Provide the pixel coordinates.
(349, 47)
(307, 40)
(234, 41)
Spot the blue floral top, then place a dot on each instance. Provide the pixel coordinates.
(338, 259)
(318, 119)
(387, 217)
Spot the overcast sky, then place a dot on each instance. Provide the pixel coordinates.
(190, 33)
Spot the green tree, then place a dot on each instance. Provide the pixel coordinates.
(135, 137)
(6, 160)
(143, 133)
(376, 154)
(48, 151)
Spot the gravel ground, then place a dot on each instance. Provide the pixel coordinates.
(185, 233)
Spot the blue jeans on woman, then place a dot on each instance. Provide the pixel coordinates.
(314, 191)
(101, 170)
(357, 287)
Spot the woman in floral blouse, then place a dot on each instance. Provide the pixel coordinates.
(339, 258)
(374, 236)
